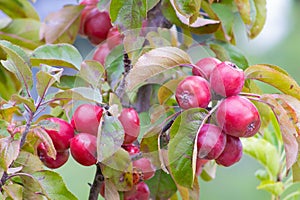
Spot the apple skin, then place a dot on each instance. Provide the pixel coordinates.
(61, 138)
(130, 121)
(238, 117)
(211, 142)
(232, 153)
(205, 65)
(101, 53)
(83, 149)
(226, 79)
(89, 5)
(199, 165)
(145, 165)
(114, 37)
(193, 92)
(86, 118)
(61, 157)
(139, 192)
(97, 25)
(132, 149)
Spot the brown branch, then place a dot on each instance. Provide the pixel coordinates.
(98, 180)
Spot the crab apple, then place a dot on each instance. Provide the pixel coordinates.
(227, 79)
(199, 165)
(84, 149)
(61, 138)
(114, 37)
(86, 118)
(61, 157)
(102, 189)
(238, 117)
(193, 91)
(139, 192)
(232, 153)
(130, 121)
(97, 25)
(145, 165)
(89, 5)
(132, 149)
(205, 65)
(211, 141)
(101, 53)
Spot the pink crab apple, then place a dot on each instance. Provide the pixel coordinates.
(211, 141)
(86, 118)
(89, 5)
(226, 79)
(205, 65)
(130, 121)
(61, 138)
(139, 192)
(101, 53)
(193, 91)
(61, 157)
(114, 37)
(232, 153)
(238, 117)
(132, 149)
(145, 165)
(83, 149)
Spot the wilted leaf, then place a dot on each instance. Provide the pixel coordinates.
(260, 18)
(79, 93)
(64, 55)
(14, 191)
(19, 9)
(274, 76)
(182, 152)
(92, 72)
(161, 185)
(244, 10)
(167, 90)
(110, 137)
(9, 151)
(30, 163)
(265, 153)
(275, 188)
(155, 62)
(62, 26)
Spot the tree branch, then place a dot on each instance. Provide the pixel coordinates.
(3, 180)
(27, 128)
(98, 180)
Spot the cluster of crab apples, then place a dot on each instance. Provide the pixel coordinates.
(79, 137)
(216, 83)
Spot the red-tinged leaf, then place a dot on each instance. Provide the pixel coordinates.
(154, 63)
(275, 77)
(45, 138)
(260, 18)
(244, 8)
(9, 151)
(288, 131)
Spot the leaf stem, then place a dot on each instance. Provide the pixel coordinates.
(98, 180)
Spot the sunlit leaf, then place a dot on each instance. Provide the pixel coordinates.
(79, 93)
(187, 8)
(167, 90)
(14, 191)
(64, 55)
(182, 153)
(155, 62)
(260, 18)
(244, 9)
(68, 82)
(62, 25)
(9, 84)
(276, 188)
(92, 72)
(19, 9)
(9, 151)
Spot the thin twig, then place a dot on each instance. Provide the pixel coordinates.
(98, 180)
(27, 128)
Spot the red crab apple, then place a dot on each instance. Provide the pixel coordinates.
(227, 79)
(232, 153)
(114, 37)
(86, 118)
(145, 165)
(132, 149)
(205, 65)
(130, 121)
(89, 5)
(61, 138)
(199, 165)
(193, 91)
(238, 117)
(97, 25)
(101, 53)
(139, 192)
(61, 157)
(211, 141)
(84, 149)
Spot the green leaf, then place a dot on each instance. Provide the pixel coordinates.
(244, 9)
(30, 163)
(9, 151)
(110, 137)
(187, 8)
(52, 185)
(64, 55)
(27, 101)
(161, 185)
(155, 62)
(9, 84)
(92, 72)
(265, 153)
(128, 13)
(275, 188)
(209, 171)
(17, 62)
(68, 82)
(19, 9)
(14, 191)
(182, 151)
(167, 90)
(190, 193)
(118, 168)
(288, 131)
(151, 4)
(62, 26)
(275, 77)
(260, 18)
(32, 189)
(46, 77)
(23, 32)
(80, 93)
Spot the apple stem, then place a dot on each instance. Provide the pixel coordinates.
(98, 180)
